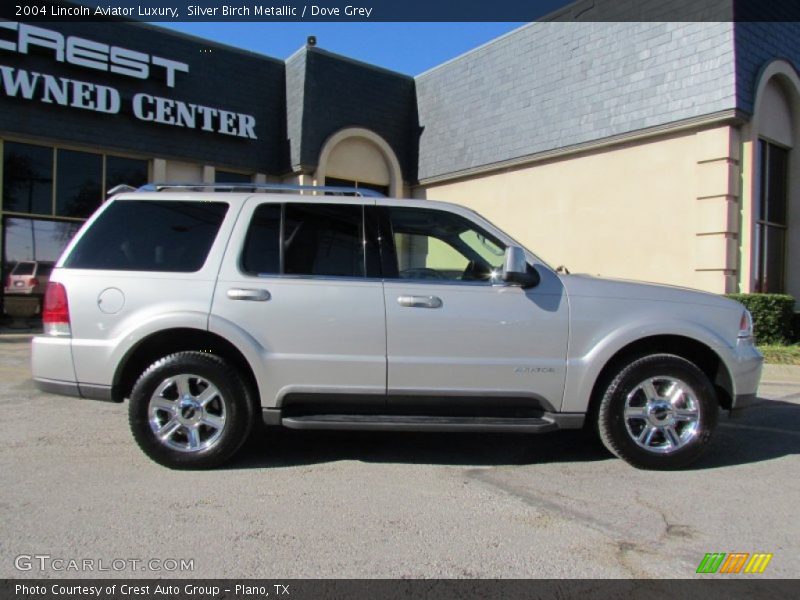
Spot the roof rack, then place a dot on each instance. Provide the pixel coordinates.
(261, 187)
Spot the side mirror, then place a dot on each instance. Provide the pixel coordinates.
(516, 271)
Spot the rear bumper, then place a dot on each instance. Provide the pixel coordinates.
(53, 371)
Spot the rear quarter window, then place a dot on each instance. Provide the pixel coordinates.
(150, 235)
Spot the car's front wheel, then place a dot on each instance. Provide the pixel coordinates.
(190, 410)
(658, 412)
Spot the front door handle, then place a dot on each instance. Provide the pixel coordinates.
(420, 301)
(248, 294)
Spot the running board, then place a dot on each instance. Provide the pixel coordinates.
(421, 423)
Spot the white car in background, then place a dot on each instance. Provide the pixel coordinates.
(28, 277)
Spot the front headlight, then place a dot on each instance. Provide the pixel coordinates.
(746, 325)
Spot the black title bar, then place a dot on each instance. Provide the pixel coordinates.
(400, 589)
(400, 11)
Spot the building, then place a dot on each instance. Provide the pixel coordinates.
(658, 151)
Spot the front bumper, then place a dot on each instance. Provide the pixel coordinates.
(746, 375)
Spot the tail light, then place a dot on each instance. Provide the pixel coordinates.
(33, 282)
(55, 313)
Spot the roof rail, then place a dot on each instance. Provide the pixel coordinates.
(260, 187)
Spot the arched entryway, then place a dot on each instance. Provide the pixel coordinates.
(360, 157)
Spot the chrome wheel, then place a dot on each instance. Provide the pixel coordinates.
(187, 413)
(662, 414)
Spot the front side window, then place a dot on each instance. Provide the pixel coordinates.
(439, 245)
(136, 235)
(770, 234)
(325, 240)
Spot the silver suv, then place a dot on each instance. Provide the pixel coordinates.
(336, 309)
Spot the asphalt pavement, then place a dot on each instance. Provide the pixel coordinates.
(75, 487)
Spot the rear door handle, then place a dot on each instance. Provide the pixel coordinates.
(248, 294)
(420, 301)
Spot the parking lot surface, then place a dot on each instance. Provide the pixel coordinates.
(337, 504)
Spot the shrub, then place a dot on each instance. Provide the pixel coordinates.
(772, 316)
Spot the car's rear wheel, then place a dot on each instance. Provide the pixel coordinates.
(190, 410)
(658, 412)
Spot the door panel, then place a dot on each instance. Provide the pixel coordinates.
(453, 328)
(492, 340)
(320, 329)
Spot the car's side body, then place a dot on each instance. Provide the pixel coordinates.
(380, 343)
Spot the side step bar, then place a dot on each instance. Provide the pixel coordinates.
(423, 423)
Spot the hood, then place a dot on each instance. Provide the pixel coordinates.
(590, 286)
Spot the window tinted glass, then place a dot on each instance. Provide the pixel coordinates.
(79, 188)
(770, 242)
(375, 187)
(323, 239)
(36, 240)
(262, 246)
(44, 269)
(23, 268)
(433, 244)
(230, 177)
(150, 236)
(27, 178)
(129, 171)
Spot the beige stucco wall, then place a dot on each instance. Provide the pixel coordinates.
(665, 209)
(358, 159)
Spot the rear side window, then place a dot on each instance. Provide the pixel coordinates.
(323, 239)
(306, 239)
(135, 235)
(262, 254)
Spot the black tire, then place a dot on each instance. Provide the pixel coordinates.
(193, 444)
(662, 438)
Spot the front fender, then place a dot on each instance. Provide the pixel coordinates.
(588, 360)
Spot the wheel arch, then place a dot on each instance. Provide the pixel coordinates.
(695, 351)
(169, 341)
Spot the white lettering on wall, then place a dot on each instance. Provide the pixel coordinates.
(184, 114)
(89, 54)
(18, 83)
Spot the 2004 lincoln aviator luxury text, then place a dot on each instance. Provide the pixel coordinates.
(333, 308)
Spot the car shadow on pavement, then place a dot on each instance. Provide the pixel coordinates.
(767, 431)
(283, 448)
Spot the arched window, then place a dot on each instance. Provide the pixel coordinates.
(776, 182)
